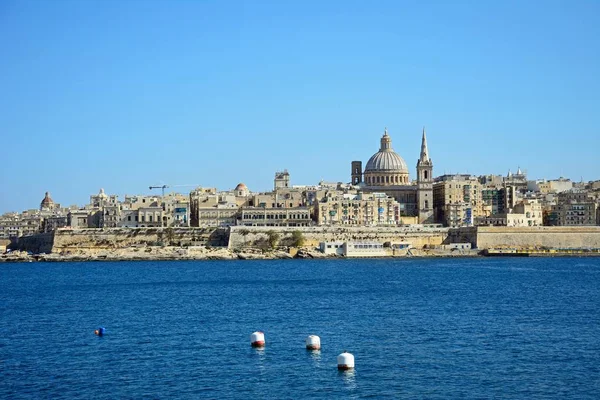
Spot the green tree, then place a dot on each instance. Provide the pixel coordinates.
(170, 235)
(273, 238)
(244, 232)
(297, 239)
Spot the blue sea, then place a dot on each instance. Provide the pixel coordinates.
(512, 328)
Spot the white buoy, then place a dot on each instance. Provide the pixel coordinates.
(345, 361)
(313, 342)
(257, 339)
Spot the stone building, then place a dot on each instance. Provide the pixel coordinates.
(457, 199)
(369, 209)
(209, 208)
(262, 216)
(527, 212)
(575, 207)
(282, 180)
(47, 204)
(13, 225)
(387, 172)
(550, 186)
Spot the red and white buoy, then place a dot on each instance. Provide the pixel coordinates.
(345, 361)
(313, 342)
(257, 339)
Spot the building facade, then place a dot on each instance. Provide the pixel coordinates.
(387, 172)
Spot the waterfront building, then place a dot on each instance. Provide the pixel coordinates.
(52, 223)
(263, 216)
(526, 213)
(387, 172)
(13, 225)
(457, 200)
(575, 207)
(209, 208)
(338, 208)
(494, 200)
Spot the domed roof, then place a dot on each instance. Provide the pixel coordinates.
(47, 200)
(386, 159)
(241, 186)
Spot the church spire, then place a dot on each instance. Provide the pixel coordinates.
(424, 151)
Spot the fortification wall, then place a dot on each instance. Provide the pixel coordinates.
(547, 236)
(257, 236)
(37, 244)
(119, 238)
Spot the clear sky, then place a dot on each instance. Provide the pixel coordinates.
(126, 94)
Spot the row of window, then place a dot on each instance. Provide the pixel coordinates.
(275, 216)
(386, 179)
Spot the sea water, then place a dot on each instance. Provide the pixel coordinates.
(518, 328)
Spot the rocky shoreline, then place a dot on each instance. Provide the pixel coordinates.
(158, 253)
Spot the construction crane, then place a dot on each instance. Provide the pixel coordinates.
(163, 187)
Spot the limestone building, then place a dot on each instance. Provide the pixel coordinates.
(387, 172)
(575, 207)
(367, 209)
(458, 199)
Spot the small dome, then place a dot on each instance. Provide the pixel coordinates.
(241, 186)
(47, 200)
(386, 159)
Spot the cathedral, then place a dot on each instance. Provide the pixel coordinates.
(387, 172)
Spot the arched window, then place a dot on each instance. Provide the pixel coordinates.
(426, 174)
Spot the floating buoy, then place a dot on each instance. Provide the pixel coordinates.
(257, 339)
(313, 342)
(345, 361)
(100, 331)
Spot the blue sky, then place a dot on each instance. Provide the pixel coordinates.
(123, 95)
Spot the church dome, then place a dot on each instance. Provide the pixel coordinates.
(47, 201)
(386, 159)
(241, 186)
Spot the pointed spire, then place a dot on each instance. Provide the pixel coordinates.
(424, 151)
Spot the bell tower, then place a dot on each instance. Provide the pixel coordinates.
(357, 172)
(425, 184)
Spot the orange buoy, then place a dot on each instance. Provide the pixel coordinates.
(257, 339)
(313, 342)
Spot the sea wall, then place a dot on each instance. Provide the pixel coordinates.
(37, 244)
(118, 238)
(547, 236)
(238, 238)
(258, 236)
